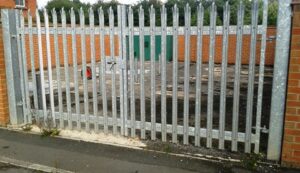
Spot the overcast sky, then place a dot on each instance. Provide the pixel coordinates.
(42, 3)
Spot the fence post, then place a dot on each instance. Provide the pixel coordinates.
(279, 79)
(123, 70)
(9, 27)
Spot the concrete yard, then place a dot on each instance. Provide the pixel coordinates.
(192, 90)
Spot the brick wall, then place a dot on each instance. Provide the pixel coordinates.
(29, 5)
(4, 115)
(32, 6)
(7, 4)
(69, 48)
(193, 48)
(231, 48)
(291, 141)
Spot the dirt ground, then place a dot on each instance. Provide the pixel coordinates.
(192, 90)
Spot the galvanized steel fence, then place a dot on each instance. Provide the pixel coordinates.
(130, 97)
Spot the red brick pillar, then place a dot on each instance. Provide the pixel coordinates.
(4, 113)
(291, 141)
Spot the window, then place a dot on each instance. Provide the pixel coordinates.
(20, 3)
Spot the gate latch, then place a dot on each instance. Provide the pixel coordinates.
(263, 129)
(20, 103)
(113, 63)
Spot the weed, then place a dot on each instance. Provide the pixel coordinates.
(26, 127)
(47, 127)
(167, 148)
(250, 161)
(49, 132)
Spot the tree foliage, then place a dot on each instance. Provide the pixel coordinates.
(157, 4)
(58, 5)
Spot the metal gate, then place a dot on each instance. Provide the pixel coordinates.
(190, 102)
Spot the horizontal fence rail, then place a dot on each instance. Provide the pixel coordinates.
(142, 89)
(147, 30)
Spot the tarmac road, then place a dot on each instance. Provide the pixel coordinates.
(78, 156)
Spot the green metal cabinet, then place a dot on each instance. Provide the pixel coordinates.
(169, 47)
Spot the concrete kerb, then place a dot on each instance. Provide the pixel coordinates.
(31, 166)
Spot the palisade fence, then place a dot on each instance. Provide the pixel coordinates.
(213, 105)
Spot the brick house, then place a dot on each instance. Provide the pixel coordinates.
(20, 4)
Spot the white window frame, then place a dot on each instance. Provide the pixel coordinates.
(20, 6)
